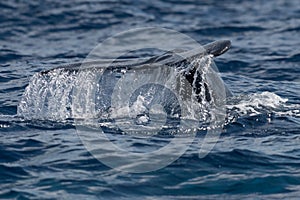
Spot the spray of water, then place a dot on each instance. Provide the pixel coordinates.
(50, 96)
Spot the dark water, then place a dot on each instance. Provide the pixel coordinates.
(257, 155)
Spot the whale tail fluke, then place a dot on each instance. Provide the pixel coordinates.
(218, 47)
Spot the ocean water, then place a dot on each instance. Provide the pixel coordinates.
(257, 152)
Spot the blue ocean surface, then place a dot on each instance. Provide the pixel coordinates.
(257, 154)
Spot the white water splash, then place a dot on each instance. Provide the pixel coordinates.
(48, 97)
(262, 103)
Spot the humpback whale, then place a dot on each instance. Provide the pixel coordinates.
(51, 92)
(174, 58)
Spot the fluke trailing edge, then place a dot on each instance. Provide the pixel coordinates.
(172, 58)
